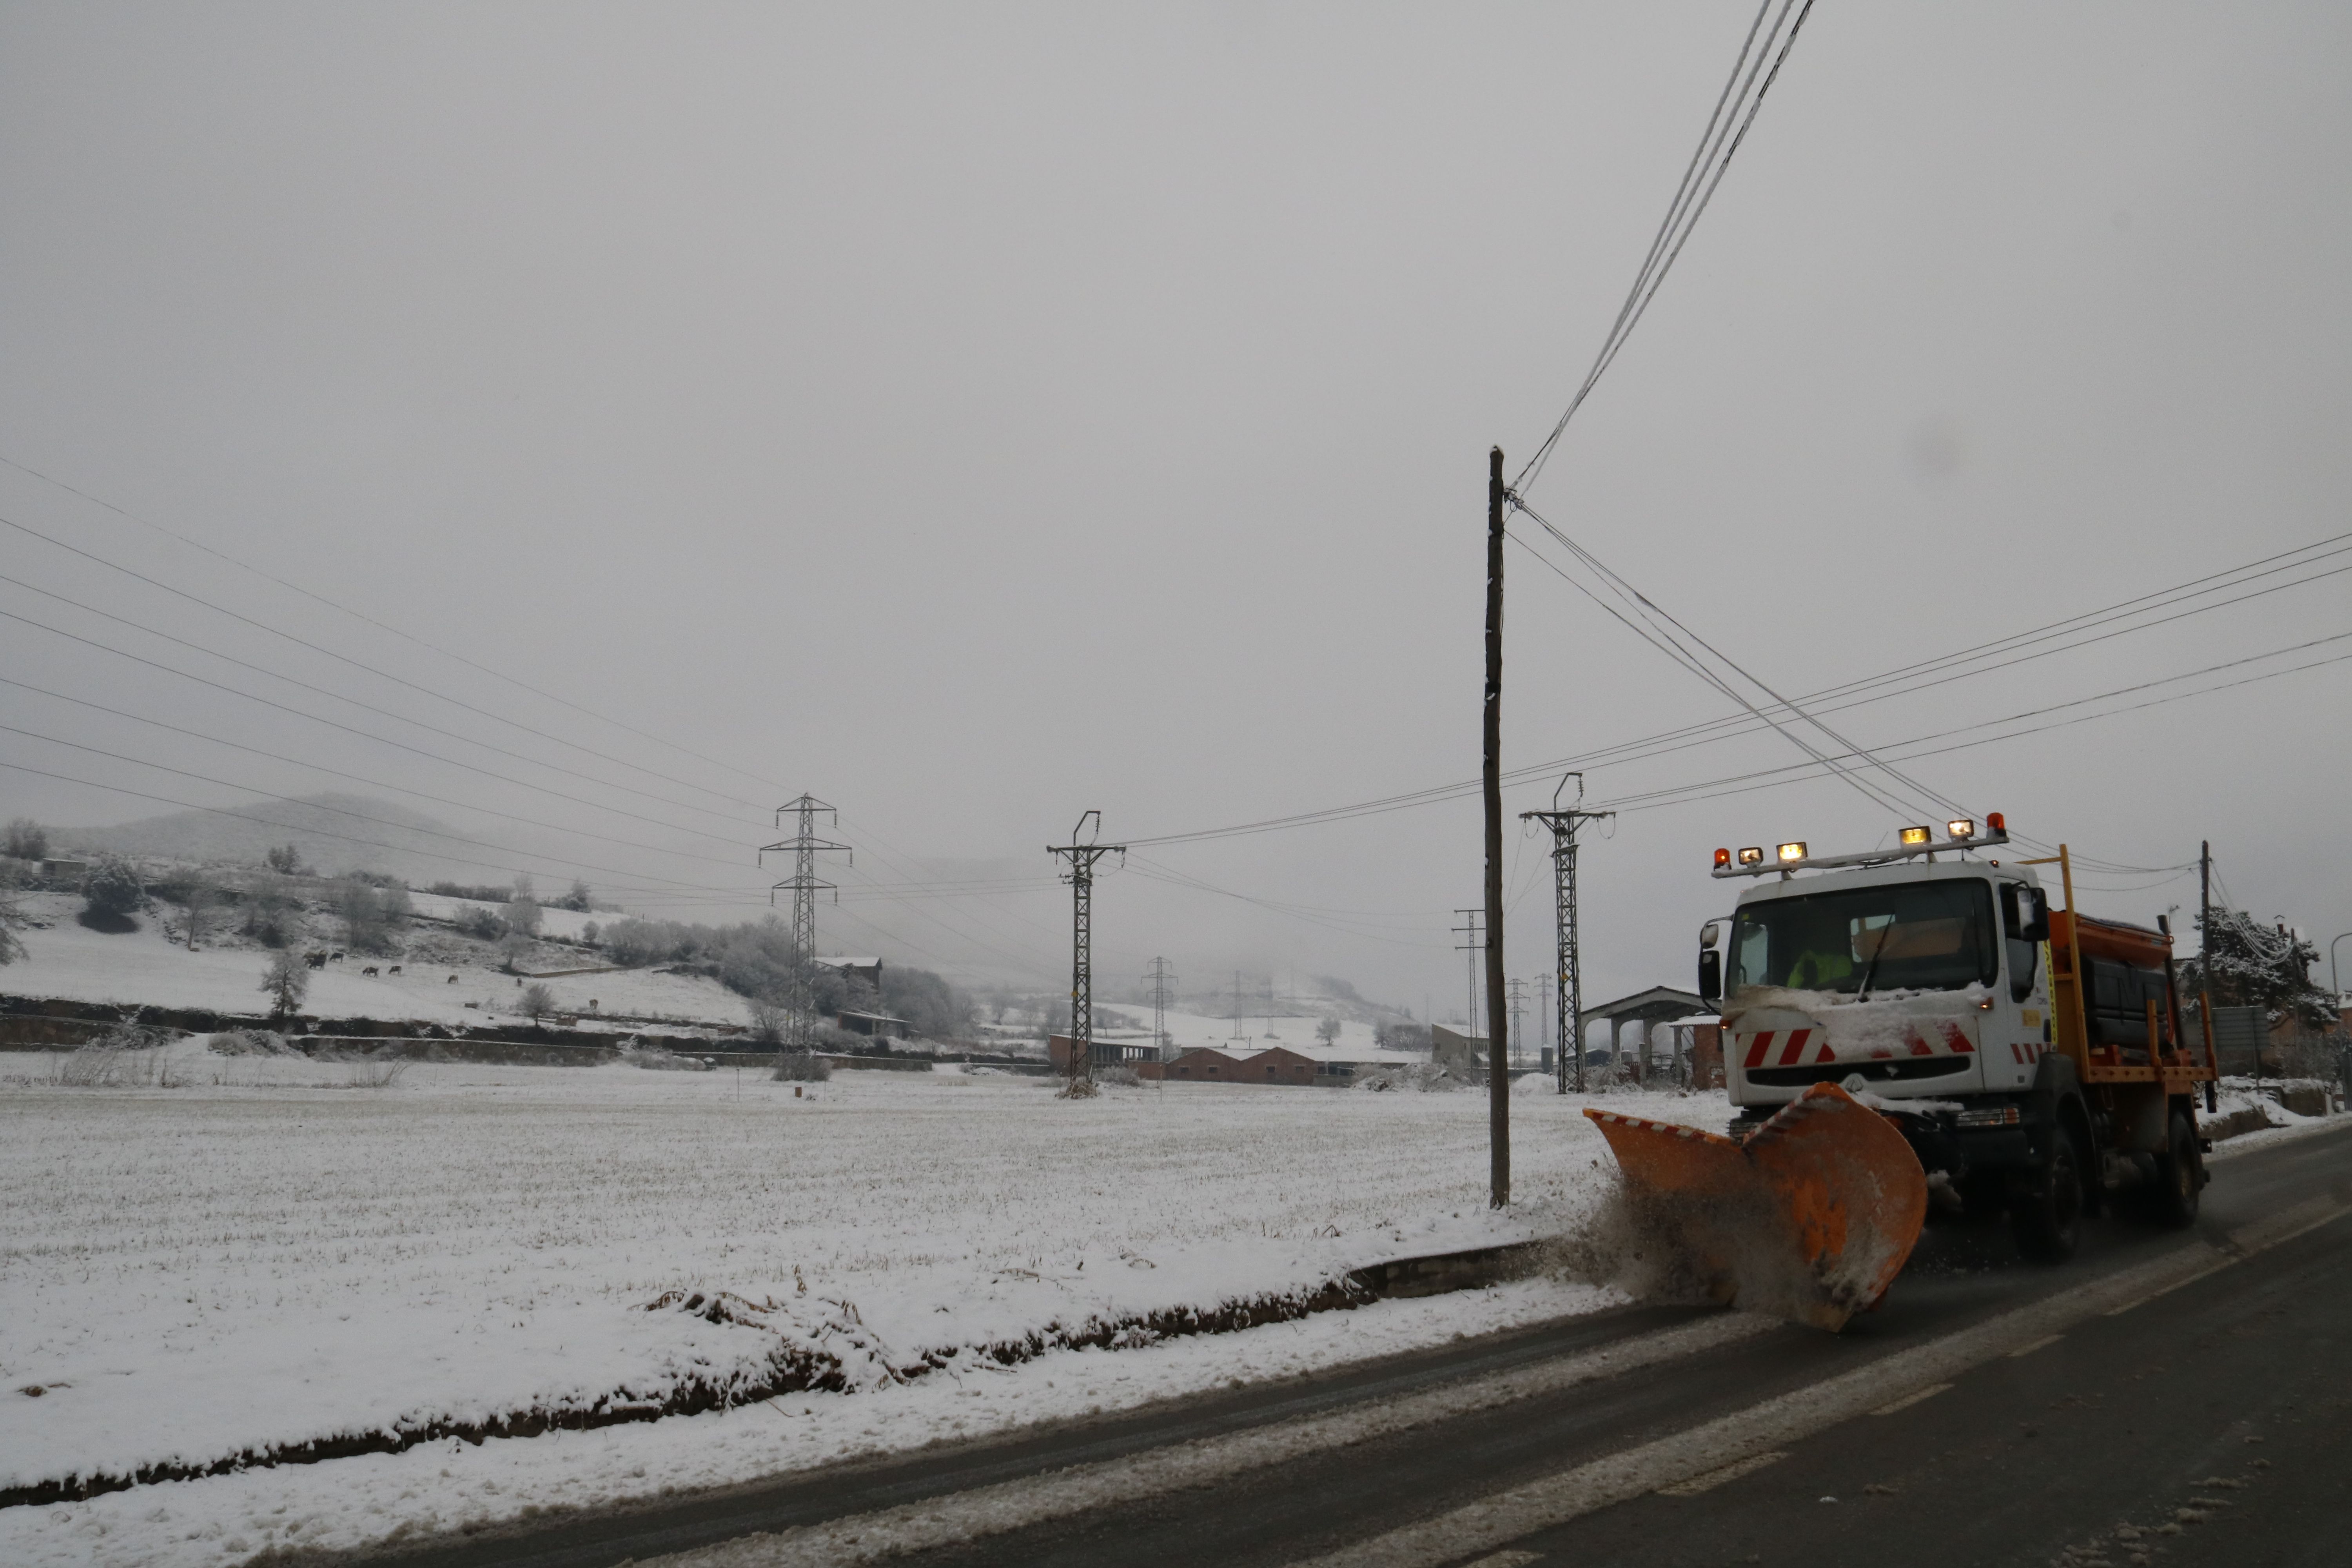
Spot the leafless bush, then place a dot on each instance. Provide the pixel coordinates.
(802, 1066)
(658, 1059)
(2315, 1057)
(1427, 1077)
(1124, 1077)
(377, 1073)
(250, 1043)
(538, 1001)
(125, 1056)
(768, 1020)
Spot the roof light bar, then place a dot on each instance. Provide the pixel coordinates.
(1797, 856)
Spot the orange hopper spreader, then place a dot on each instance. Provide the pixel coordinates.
(1811, 1217)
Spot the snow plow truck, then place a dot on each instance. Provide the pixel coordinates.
(1912, 1027)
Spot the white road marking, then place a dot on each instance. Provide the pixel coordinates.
(1492, 1524)
(1714, 1479)
(2287, 1223)
(1909, 1400)
(1776, 1424)
(1033, 1499)
(2220, 1262)
(2044, 1343)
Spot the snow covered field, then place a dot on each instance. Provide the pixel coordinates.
(198, 1272)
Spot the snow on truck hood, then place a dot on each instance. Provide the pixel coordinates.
(1891, 1024)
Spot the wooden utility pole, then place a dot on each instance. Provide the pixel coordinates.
(2205, 963)
(1498, 1002)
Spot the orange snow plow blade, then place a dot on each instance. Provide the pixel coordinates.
(1812, 1217)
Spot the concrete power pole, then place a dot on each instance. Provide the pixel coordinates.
(1567, 989)
(805, 847)
(1081, 879)
(1498, 1073)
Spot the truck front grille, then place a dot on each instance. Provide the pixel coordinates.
(1900, 1071)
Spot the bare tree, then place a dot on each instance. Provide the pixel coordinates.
(1328, 1031)
(202, 895)
(286, 860)
(12, 919)
(537, 1002)
(768, 1019)
(25, 839)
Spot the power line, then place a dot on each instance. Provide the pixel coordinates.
(1717, 145)
(369, 780)
(339, 811)
(367, 669)
(1732, 725)
(381, 625)
(280, 826)
(338, 697)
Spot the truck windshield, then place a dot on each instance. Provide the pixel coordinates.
(1920, 936)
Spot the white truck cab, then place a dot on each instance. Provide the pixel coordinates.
(1918, 980)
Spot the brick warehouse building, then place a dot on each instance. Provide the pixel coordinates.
(1275, 1065)
(1200, 1066)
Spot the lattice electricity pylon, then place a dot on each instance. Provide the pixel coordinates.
(1081, 879)
(805, 846)
(1569, 989)
(1160, 976)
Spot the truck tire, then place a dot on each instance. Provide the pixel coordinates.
(2179, 1175)
(2047, 1217)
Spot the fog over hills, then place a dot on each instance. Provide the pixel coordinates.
(334, 831)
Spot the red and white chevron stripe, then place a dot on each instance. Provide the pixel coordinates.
(1792, 1047)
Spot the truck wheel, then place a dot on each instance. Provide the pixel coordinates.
(2180, 1177)
(2046, 1218)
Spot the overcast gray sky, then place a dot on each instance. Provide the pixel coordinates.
(976, 414)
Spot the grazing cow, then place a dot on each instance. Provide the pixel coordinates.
(315, 960)
(336, 956)
(453, 980)
(369, 970)
(591, 1003)
(395, 969)
(475, 1004)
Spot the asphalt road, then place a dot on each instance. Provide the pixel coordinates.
(2210, 1419)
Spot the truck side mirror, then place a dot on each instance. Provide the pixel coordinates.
(1710, 976)
(2024, 912)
